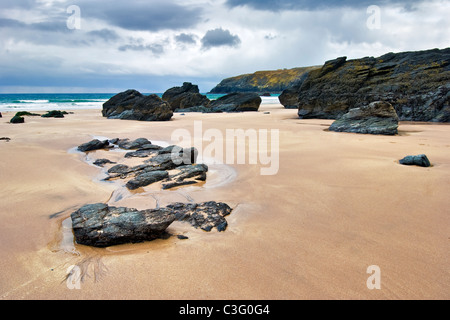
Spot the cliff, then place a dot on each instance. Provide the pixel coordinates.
(417, 84)
(274, 81)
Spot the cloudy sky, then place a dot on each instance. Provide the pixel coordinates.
(151, 45)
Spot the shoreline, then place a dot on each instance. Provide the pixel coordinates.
(338, 204)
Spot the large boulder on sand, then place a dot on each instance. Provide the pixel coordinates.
(185, 97)
(100, 225)
(236, 102)
(376, 118)
(132, 105)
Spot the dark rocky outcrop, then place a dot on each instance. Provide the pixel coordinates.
(185, 97)
(100, 225)
(417, 84)
(93, 145)
(54, 114)
(132, 105)
(376, 118)
(421, 160)
(17, 119)
(273, 81)
(236, 102)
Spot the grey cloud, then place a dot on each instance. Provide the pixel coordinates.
(186, 38)
(219, 37)
(143, 15)
(155, 48)
(277, 5)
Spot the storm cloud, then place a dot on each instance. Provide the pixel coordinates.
(143, 15)
(219, 37)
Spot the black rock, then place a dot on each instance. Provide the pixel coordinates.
(146, 178)
(99, 225)
(185, 97)
(134, 144)
(236, 102)
(206, 216)
(132, 105)
(376, 118)
(102, 162)
(17, 119)
(54, 114)
(420, 160)
(416, 84)
(93, 145)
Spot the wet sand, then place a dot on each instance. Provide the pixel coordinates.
(339, 204)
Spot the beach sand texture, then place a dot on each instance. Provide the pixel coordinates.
(339, 204)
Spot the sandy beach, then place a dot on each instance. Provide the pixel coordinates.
(339, 203)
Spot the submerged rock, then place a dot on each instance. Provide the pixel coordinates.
(376, 118)
(132, 105)
(420, 160)
(102, 162)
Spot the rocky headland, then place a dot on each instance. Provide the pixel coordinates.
(416, 84)
(260, 82)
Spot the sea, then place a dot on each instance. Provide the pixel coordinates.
(73, 101)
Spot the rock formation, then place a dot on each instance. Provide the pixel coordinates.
(236, 102)
(100, 225)
(274, 81)
(132, 105)
(185, 97)
(417, 84)
(376, 118)
(421, 160)
(93, 145)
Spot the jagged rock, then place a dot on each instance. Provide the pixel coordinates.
(376, 118)
(197, 171)
(146, 178)
(417, 84)
(206, 216)
(132, 105)
(93, 145)
(99, 225)
(236, 102)
(185, 97)
(420, 160)
(134, 144)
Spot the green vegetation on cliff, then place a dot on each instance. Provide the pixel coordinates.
(274, 81)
